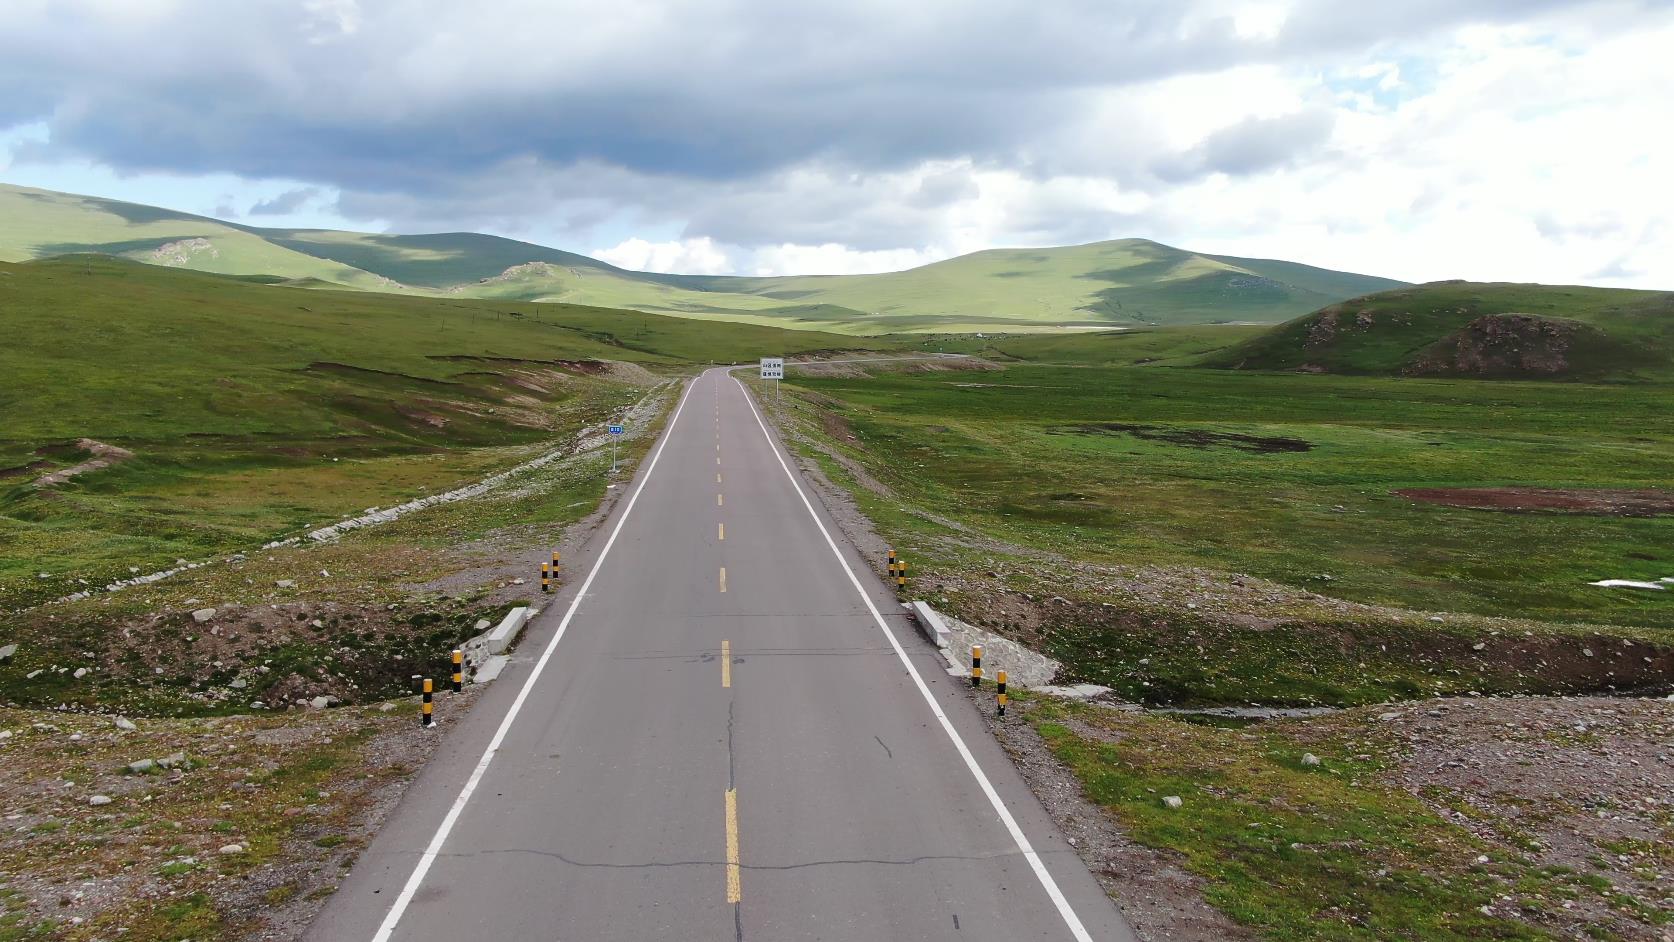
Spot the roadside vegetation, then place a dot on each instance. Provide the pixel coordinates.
(1482, 753)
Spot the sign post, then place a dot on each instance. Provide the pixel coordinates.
(773, 368)
(615, 434)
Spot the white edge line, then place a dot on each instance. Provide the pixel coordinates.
(434, 848)
(1035, 863)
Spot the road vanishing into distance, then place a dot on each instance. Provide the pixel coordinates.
(726, 730)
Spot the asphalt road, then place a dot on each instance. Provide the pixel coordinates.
(731, 732)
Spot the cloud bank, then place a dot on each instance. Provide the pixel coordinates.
(1427, 139)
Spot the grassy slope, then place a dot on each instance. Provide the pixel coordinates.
(1009, 456)
(40, 223)
(1637, 329)
(255, 409)
(1125, 282)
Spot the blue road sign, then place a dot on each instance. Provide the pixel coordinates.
(616, 430)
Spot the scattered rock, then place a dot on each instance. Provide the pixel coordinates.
(1309, 758)
(231, 849)
(99, 800)
(80, 673)
(285, 583)
(174, 760)
(6, 653)
(124, 724)
(142, 766)
(1172, 801)
(203, 614)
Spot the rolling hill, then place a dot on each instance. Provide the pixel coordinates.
(1127, 282)
(1491, 331)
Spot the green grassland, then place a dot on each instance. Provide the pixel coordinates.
(254, 410)
(1285, 476)
(1127, 282)
(1593, 333)
(1333, 851)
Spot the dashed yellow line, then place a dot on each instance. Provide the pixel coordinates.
(726, 663)
(718, 501)
(721, 532)
(717, 477)
(735, 888)
(723, 578)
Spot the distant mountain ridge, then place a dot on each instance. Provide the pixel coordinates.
(1126, 282)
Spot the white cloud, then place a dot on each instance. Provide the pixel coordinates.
(686, 256)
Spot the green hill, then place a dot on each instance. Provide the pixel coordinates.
(1458, 328)
(1122, 283)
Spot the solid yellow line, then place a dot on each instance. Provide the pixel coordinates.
(735, 891)
(723, 578)
(721, 534)
(726, 663)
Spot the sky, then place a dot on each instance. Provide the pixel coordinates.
(1517, 140)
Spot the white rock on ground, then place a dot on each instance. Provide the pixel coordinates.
(230, 849)
(99, 800)
(1172, 801)
(203, 614)
(124, 724)
(6, 652)
(1309, 758)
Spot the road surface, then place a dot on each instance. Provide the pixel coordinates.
(729, 732)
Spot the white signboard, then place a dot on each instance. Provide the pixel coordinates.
(772, 367)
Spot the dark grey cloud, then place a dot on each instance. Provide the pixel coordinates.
(1254, 145)
(287, 202)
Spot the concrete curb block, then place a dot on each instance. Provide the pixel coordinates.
(507, 630)
(930, 624)
(485, 655)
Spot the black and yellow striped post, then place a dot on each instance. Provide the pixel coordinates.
(554, 564)
(426, 707)
(901, 575)
(1000, 681)
(892, 565)
(458, 670)
(546, 577)
(976, 665)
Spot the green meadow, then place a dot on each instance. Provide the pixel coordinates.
(254, 411)
(1290, 477)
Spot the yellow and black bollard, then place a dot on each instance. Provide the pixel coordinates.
(892, 565)
(554, 564)
(546, 578)
(1000, 681)
(426, 707)
(901, 575)
(458, 670)
(976, 665)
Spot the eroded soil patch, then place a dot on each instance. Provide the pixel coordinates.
(1602, 502)
(1191, 438)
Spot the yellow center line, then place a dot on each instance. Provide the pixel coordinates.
(717, 477)
(735, 891)
(717, 462)
(718, 501)
(723, 578)
(721, 533)
(726, 663)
